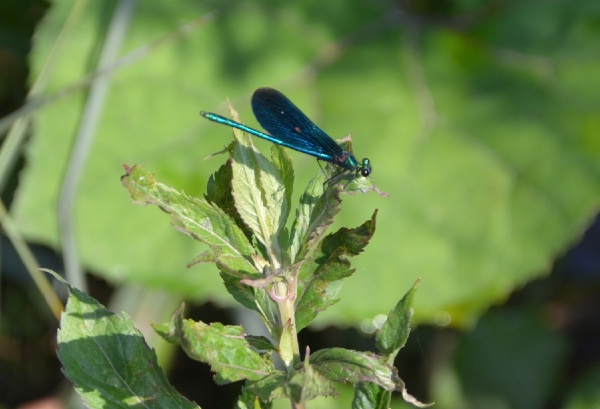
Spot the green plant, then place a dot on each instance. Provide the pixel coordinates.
(287, 275)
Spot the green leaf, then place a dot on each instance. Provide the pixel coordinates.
(108, 361)
(395, 330)
(343, 365)
(303, 385)
(259, 192)
(218, 191)
(354, 367)
(306, 384)
(314, 215)
(283, 162)
(490, 153)
(195, 217)
(223, 347)
(350, 183)
(260, 343)
(319, 278)
(371, 396)
(248, 400)
(256, 299)
(267, 388)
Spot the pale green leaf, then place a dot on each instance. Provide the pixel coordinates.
(259, 192)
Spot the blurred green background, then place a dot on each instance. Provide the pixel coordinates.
(481, 119)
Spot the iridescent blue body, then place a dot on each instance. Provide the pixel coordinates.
(288, 126)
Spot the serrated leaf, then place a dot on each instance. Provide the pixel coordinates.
(314, 215)
(108, 361)
(224, 348)
(356, 367)
(267, 388)
(259, 192)
(248, 400)
(303, 385)
(343, 365)
(307, 383)
(195, 217)
(319, 278)
(395, 330)
(370, 396)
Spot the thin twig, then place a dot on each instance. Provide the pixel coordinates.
(30, 262)
(83, 141)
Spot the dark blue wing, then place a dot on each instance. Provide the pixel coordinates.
(289, 127)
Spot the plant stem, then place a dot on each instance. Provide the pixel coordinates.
(289, 348)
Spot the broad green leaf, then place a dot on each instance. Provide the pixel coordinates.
(395, 330)
(108, 361)
(320, 275)
(485, 137)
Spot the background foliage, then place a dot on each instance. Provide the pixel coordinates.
(481, 120)
(478, 124)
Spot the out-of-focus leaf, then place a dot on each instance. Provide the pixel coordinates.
(586, 394)
(488, 360)
(484, 131)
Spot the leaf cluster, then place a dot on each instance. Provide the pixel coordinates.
(287, 273)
